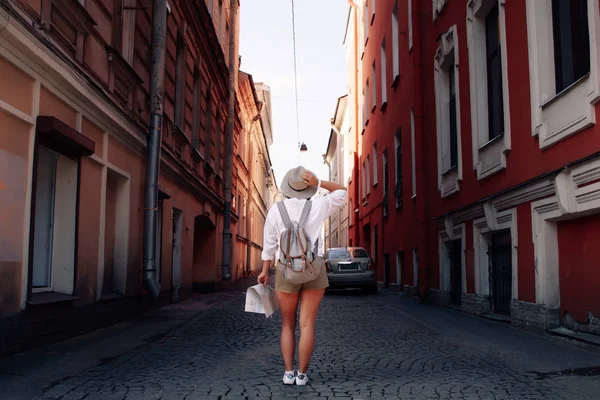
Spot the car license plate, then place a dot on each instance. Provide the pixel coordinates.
(349, 267)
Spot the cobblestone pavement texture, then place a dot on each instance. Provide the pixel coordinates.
(383, 346)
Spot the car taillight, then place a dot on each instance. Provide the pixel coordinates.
(327, 266)
(370, 265)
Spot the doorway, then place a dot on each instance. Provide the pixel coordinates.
(54, 222)
(501, 272)
(205, 245)
(177, 217)
(455, 255)
(386, 270)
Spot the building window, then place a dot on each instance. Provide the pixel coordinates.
(383, 75)
(395, 45)
(385, 183)
(197, 99)
(410, 30)
(368, 173)
(209, 119)
(366, 100)
(373, 3)
(375, 164)
(350, 213)
(180, 82)
(446, 74)
(571, 41)
(494, 74)
(374, 87)
(123, 33)
(490, 123)
(438, 7)
(398, 151)
(413, 153)
(452, 114)
(364, 179)
(366, 21)
(563, 67)
(218, 136)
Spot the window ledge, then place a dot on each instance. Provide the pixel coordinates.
(367, 123)
(384, 106)
(450, 171)
(373, 108)
(491, 142)
(47, 298)
(565, 91)
(362, 55)
(395, 81)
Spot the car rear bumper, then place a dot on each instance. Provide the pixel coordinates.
(351, 280)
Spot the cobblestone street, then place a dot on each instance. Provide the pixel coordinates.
(382, 346)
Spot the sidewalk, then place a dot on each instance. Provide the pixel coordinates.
(70, 357)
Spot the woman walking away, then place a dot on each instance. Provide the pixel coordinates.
(300, 276)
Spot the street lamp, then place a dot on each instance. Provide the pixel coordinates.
(303, 148)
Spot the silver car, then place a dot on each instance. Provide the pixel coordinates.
(350, 268)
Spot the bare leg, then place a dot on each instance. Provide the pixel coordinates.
(288, 306)
(309, 306)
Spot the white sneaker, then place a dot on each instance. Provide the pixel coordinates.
(289, 378)
(301, 379)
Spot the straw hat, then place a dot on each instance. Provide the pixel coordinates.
(294, 186)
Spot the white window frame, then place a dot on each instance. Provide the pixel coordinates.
(438, 7)
(410, 26)
(556, 116)
(372, 17)
(395, 46)
(375, 177)
(397, 143)
(374, 87)
(366, 22)
(364, 179)
(489, 157)
(368, 175)
(413, 151)
(447, 55)
(383, 63)
(444, 238)
(367, 110)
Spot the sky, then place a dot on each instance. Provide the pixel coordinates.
(266, 48)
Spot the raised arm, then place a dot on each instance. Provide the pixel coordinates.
(312, 180)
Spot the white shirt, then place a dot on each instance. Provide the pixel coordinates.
(321, 209)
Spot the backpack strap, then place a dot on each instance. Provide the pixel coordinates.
(284, 215)
(305, 213)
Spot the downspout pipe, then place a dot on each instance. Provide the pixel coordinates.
(233, 66)
(159, 23)
(356, 172)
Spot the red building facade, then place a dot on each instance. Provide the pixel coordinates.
(495, 134)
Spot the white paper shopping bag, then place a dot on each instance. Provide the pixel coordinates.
(261, 299)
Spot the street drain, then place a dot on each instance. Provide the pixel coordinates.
(589, 371)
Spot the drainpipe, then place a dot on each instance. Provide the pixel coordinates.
(355, 173)
(251, 190)
(227, 242)
(159, 23)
